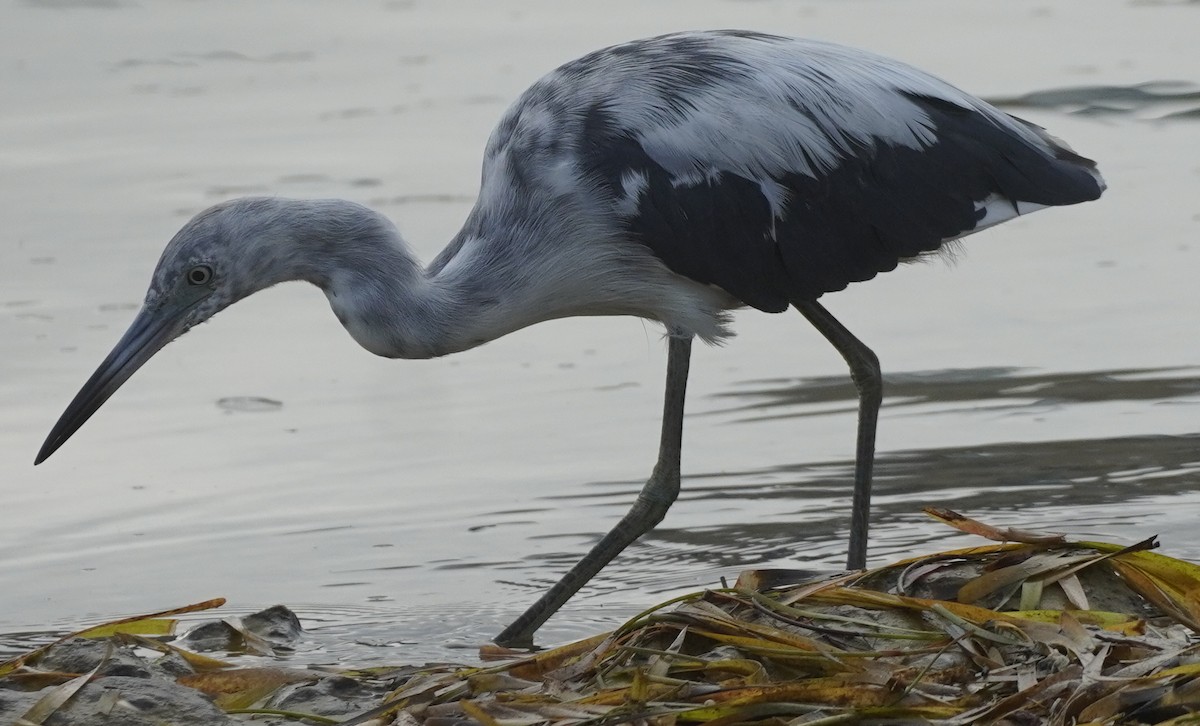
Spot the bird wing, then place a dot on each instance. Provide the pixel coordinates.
(780, 169)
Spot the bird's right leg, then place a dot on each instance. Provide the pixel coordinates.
(652, 503)
(864, 370)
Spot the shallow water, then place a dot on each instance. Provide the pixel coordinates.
(1050, 378)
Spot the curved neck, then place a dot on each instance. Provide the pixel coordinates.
(393, 308)
(479, 288)
(378, 288)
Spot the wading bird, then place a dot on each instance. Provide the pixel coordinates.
(674, 178)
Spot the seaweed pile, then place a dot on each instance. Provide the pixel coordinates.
(1036, 630)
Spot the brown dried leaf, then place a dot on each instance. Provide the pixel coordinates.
(1041, 563)
(540, 664)
(826, 691)
(195, 660)
(242, 688)
(476, 712)
(14, 663)
(971, 526)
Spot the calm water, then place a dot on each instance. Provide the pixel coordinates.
(1049, 378)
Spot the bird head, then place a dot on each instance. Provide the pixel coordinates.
(220, 256)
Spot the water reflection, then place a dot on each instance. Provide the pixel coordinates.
(796, 514)
(1156, 100)
(983, 386)
(804, 507)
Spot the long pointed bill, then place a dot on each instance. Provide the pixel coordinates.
(150, 331)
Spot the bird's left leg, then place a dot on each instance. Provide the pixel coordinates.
(864, 370)
(651, 506)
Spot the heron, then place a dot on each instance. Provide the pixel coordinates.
(674, 178)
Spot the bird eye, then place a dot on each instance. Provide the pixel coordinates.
(200, 275)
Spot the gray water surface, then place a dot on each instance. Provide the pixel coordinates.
(1048, 378)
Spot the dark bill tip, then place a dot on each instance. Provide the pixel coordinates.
(147, 335)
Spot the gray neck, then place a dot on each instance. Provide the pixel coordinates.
(479, 288)
(377, 287)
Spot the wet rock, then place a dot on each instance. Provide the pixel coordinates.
(80, 655)
(122, 701)
(137, 701)
(173, 665)
(277, 625)
(14, 704)
(276, 628)
(129, 690)
(332, 696)
(215, 635)
(138, 688)
(135, 688)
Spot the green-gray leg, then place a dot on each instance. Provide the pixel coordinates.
(864, 370)
(652, 503)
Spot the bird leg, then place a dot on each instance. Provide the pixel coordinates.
(652, 503)
(864, 370)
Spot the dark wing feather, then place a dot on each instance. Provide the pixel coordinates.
(772, 231)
